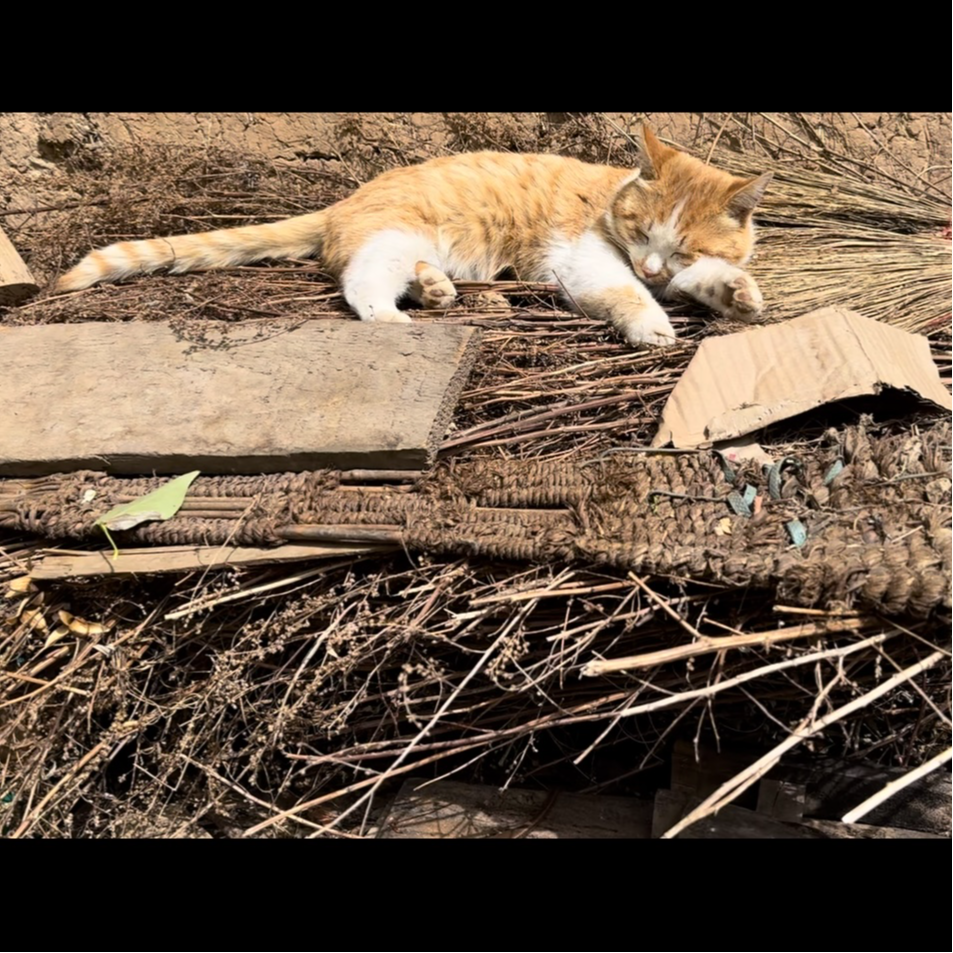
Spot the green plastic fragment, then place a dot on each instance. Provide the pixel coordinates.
(797, 532)
(832, 474)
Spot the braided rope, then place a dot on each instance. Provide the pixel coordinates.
(875, 510)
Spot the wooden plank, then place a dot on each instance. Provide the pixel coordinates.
(448, 810)
(160, 559)
(258, 397)
(738, 823)
(781, 799)
(824, 790)
(731, 822)
(703, 775)
(701, 772)
(836, 830)
(16, 282)
(834, 788)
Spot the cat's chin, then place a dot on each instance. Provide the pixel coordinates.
(656, 284)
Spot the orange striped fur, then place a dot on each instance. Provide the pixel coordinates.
(612, 237)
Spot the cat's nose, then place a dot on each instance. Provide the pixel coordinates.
(651, 266)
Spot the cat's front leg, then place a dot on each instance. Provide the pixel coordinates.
(631, 310)
(721, 286)
(597, 282)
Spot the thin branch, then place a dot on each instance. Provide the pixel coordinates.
(717, 137)
(744, 779)
(889, 790)
(706, 645)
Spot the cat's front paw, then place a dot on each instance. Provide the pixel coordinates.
(651, 328)
(433, 289)
(721, 286)
(742, 299)
(391, 317)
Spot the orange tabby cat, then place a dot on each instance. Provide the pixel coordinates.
(610, 237)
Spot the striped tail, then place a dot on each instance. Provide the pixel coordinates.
(298, 237)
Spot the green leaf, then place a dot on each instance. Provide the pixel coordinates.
(161, 504)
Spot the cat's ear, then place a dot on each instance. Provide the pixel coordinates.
(655, 155)
(745, 197)
(634, 176)
(627, 200)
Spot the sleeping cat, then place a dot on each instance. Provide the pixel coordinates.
(609, 237)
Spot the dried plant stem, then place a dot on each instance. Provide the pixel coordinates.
(744, 779)
(709, 691)
(666, 608)
(393, 770)
(889, 790)
(45, 684)
(707, 644)
(358, 786)
(32, 817)
(441, 711)
(714, 143)
(509, 597)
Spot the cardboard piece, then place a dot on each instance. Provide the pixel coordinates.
(739, 383)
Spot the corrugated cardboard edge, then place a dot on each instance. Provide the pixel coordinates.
(738, 383)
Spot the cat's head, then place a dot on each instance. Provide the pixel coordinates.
(678, 209)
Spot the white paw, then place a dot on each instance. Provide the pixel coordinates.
(721, 286)
(743, 301)
(391, 317)
(435, 288)
(651, 327)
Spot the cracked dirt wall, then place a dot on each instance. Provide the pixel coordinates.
(908, 146)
